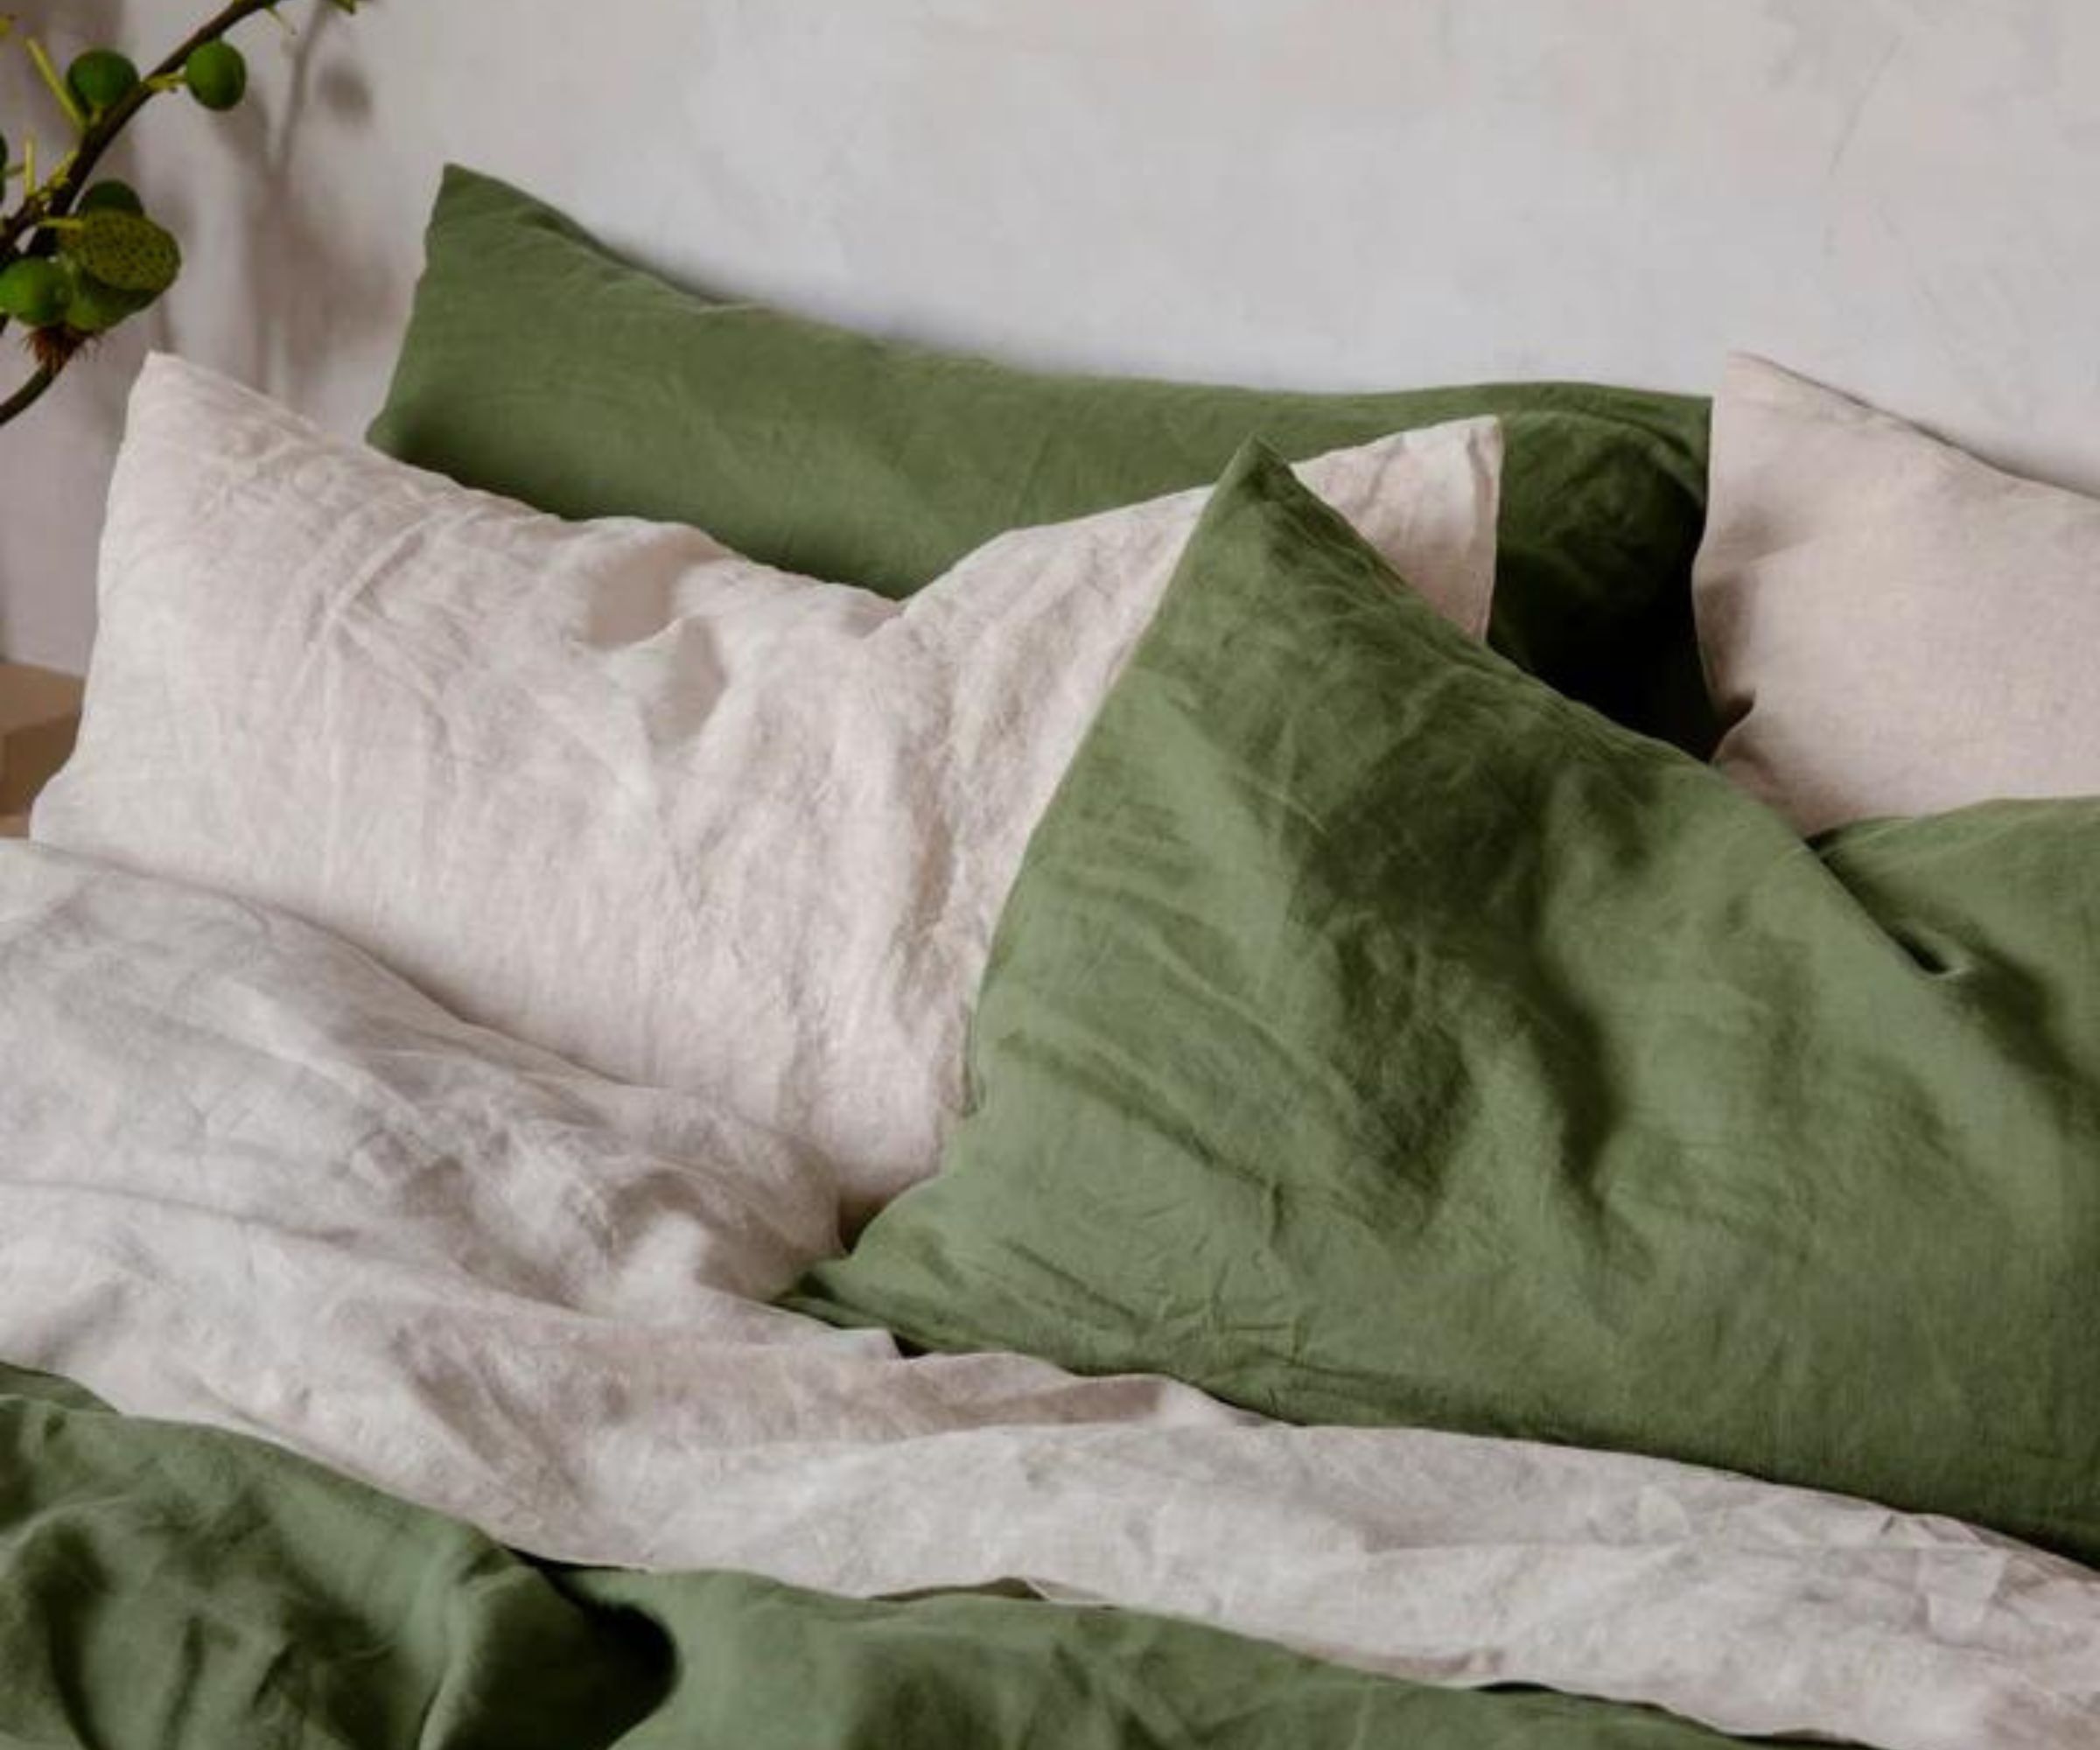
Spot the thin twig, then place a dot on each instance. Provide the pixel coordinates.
(30, 392)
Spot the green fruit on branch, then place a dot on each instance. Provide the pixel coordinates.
(126, 251)
(100, 78)
(110, 196)
(94, 307)
(35, 293)
(77, 258)
(217, 74)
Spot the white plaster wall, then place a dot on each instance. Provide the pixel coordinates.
(1902, 195)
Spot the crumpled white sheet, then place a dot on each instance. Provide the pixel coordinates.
(249, 1178)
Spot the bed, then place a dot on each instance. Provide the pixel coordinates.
(793, 1041)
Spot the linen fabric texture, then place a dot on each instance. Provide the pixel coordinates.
(685, 819)
(1375, 1036)
(540, 364)
(1890, 626)
(249, 1179)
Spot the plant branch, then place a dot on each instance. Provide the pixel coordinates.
(55, 199)
(30, 392)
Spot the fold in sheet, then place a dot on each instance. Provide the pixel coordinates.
(249, 1178)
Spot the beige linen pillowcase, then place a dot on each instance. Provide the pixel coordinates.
(611, 787)
(1890, 625)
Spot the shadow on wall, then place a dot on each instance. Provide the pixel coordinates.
(308, 289)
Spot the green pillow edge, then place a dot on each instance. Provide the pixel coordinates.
(846, 456)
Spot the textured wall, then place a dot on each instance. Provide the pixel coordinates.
(1902, 194)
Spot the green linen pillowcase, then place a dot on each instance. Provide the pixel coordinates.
(1375, 1036)
(541, 366)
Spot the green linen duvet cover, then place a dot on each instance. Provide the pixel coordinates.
(1375, 1036)
(166, 1587)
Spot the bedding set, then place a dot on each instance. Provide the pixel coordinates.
(763, 1039)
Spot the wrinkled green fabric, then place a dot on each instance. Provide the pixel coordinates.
(1374, 1036)
(540, 364)
(166, 1587)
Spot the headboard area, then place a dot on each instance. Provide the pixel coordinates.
(1900, 196)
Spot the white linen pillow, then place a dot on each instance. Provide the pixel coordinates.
(1889, 625)
(687, 820)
